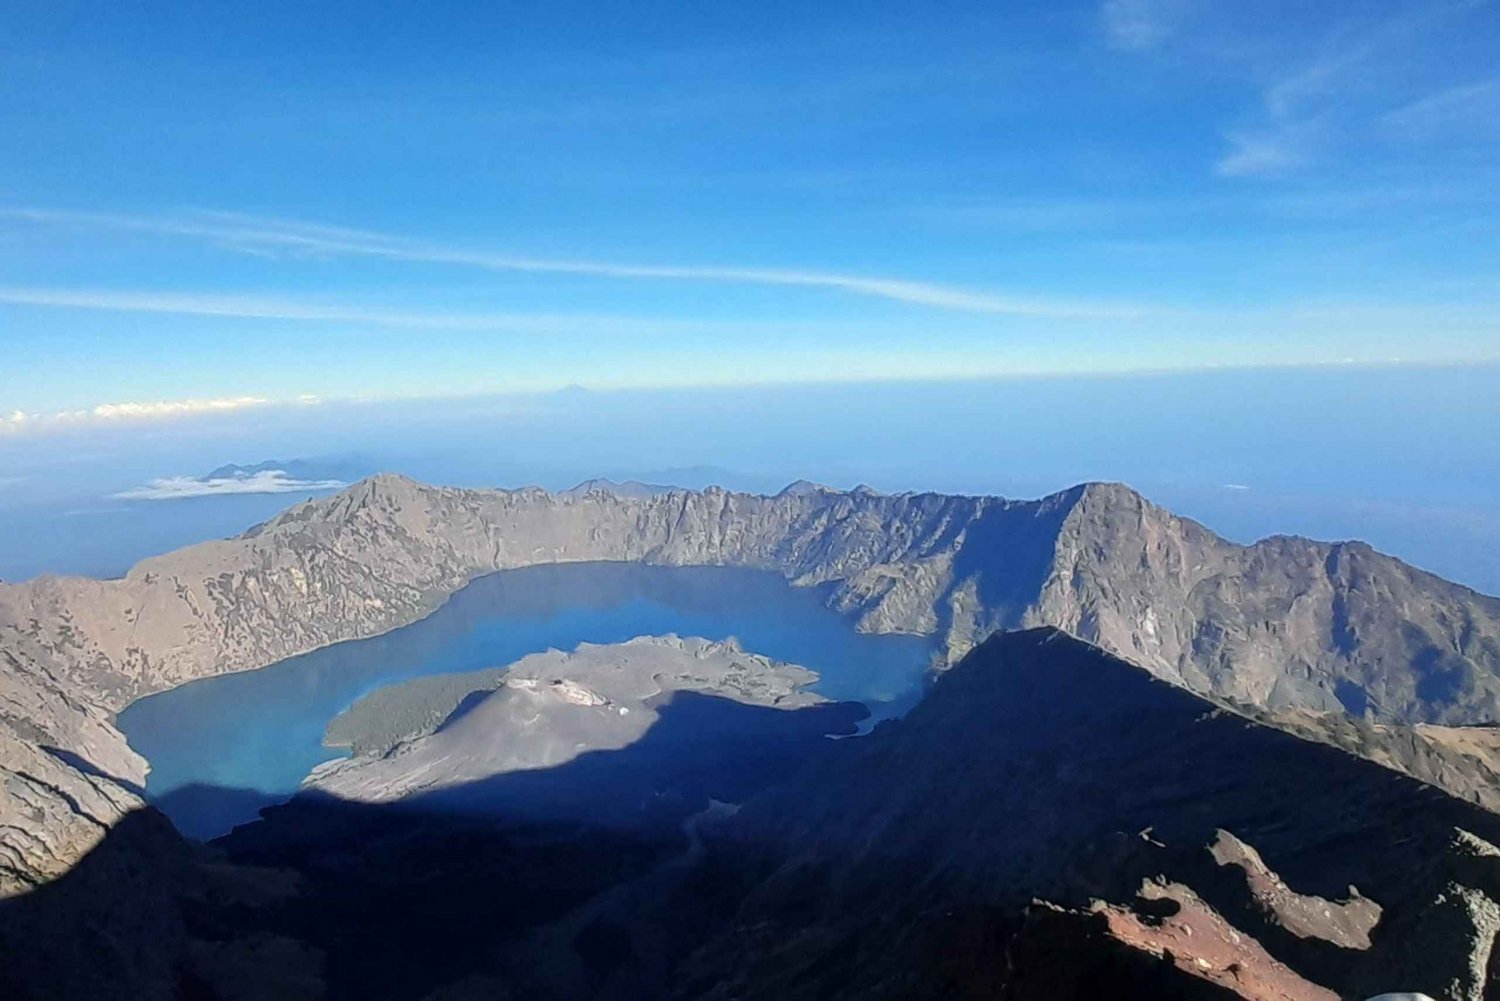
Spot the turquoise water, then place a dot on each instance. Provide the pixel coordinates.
(221, 748)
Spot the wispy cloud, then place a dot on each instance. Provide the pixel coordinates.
(272, 307)
(1138, 25)
(1262, 152)
(241, 232)
(106, 413)
(1467, 110)
(269, 481)
(277, 308)
(1309, 101)
(1293, 127)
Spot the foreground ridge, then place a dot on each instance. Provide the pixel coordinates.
(1052, 822)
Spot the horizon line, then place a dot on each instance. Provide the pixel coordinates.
(17, 423)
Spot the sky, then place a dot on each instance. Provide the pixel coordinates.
(1241, 254)
(212, 206)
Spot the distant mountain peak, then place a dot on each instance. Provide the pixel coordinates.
(1111, 492)
(799, 488)
(345, 468)
(624, 488)
(237, 471)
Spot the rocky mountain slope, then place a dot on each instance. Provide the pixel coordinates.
(1463, 761)
(1283, 623)
(68, 776)
(1153, 823)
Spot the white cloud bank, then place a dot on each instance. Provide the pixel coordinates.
(268, 481)
(18, 421)
(173, 408)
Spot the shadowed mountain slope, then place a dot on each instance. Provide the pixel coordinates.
(331, 899)
(1042, 767)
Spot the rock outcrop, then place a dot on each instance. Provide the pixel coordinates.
(1111, 950)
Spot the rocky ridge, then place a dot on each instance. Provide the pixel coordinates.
(1154, 823)
(1283, 623)
(1463, 761)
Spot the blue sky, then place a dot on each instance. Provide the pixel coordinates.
(273, 201)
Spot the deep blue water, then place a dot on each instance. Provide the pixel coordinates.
(222, 747)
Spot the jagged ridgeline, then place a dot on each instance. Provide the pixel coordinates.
(1274, 645)
(1286, 623)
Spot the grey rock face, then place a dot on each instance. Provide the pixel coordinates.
(1283, 623)
(391, 715)
(67, 775)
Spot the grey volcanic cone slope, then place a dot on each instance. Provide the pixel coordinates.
(1283, 623)
(1044, 767)
(548, 708)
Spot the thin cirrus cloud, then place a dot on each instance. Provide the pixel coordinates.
(270, 307)
(261, 235)
(1259, 153)
(276, 307)
(281, 308)
(267, 481)
(1464, 111)
(1308, 105)
(1138, 25)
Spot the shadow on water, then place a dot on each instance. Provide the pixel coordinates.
(201, 811)
(324, 897)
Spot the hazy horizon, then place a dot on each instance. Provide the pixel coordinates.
(1403, 459)
(1242, 259)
